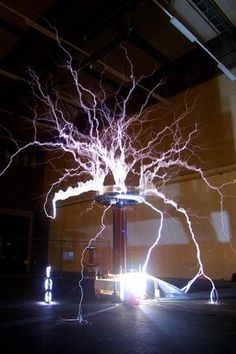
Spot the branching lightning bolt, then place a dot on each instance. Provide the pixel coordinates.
(115, 144)
(80, 317)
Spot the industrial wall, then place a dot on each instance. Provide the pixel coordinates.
(211, 212)
(22, 220)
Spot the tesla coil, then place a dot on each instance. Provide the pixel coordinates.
(120, 200)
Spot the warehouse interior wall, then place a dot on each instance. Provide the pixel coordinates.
(212, 214)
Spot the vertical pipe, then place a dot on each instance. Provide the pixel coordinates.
(119, 239)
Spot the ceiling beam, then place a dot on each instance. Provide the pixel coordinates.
(192, 38)
(8, 27)
(148, 48)
(111, 19)
(52, 34)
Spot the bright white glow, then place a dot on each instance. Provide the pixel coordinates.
(133, 284)
(44, 303)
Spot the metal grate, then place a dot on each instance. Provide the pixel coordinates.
(213, 13)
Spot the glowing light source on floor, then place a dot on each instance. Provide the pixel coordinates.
(48, 285)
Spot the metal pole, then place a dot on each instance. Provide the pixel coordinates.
(119, 240)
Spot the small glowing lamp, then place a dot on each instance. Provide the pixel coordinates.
(48, 286)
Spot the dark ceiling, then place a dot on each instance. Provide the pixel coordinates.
(94, 33)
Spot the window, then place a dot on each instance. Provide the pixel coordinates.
(68, 256)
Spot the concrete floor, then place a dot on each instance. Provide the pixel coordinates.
(191, 326)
